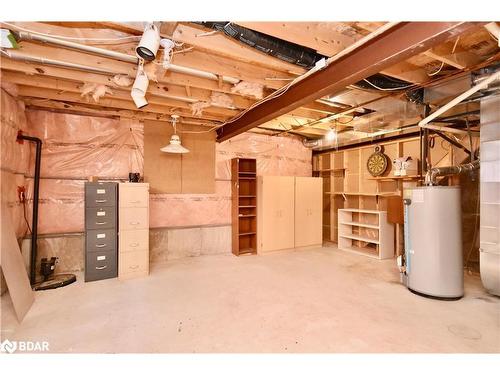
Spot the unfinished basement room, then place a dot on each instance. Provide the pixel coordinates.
(250, 187)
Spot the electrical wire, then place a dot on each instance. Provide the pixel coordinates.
(442, 63)
(200, 131)
(389, 89)
(24, 214)
(117, 39)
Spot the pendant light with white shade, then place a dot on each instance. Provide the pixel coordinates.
(175, 146)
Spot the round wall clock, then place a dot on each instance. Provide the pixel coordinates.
(377, 162)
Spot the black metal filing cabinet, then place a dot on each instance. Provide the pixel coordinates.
(101, 255)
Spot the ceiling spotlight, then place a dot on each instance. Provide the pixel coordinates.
(331, 135)
(150, 42)
(140, 87)
(175, 146)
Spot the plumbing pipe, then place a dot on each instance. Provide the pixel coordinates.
(82, 47)
(23, 35)
(445, 129)
(36, 190)
(424, 123)
(432, 174)
(42, 60)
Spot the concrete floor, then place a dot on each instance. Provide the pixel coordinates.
(320, 300)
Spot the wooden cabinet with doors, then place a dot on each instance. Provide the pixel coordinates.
(276, 213)
(244, 206)
(308, 211)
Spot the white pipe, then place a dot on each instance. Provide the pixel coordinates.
(447, 129)
(201, 74)
(82, 47)
(458, 99)
(42, 60)
(120, 56)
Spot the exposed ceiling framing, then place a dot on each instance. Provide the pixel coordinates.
(391, 47)
(59, 88)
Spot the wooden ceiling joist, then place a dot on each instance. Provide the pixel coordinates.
(123, 94)
(329, 38)
(390, 47)
(34, 92)
(97, 110)
(219, 44)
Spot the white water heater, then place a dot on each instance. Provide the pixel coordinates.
(433, 242)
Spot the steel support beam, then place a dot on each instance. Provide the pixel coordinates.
(397, 44)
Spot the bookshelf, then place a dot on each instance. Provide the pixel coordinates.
(244, 206)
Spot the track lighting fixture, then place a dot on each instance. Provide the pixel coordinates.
(150, 42)
(140, 86)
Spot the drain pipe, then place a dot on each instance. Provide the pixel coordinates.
(432, 174)
(23, 35)
(34, 224)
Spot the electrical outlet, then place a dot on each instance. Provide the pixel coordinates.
(21, 194)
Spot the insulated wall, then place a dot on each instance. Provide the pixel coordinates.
(76, 147)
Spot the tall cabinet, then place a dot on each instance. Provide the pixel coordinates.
(276, 199)
(308, 211)
(133, 230)
(289, 212)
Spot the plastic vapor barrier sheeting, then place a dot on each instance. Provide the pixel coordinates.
(76, 147)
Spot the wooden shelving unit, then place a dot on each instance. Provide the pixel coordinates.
(348, 184)
(244, 206)
(366, 232)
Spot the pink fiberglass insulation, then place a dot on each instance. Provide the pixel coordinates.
(76, 147)
(14, 162)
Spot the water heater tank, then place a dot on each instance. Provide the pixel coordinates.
(433, 243)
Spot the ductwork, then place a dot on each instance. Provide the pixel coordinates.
(432, 174)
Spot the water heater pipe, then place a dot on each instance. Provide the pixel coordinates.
(432, 174)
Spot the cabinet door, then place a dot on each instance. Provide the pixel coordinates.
(308, 211)
(276, 212)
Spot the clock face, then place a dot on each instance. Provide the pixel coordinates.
(377, 164)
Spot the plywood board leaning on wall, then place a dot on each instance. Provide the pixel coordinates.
(191, 173)
(13, 267)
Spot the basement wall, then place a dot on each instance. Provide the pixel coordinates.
(76, 147)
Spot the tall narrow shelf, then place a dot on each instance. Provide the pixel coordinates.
(365, 232)
(244, 206)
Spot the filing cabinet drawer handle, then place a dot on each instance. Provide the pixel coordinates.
(101, 268)
(101, 200)
(135, 244)
(135, 201)
(134, 267)
(100, 245)
(135, 222)
(101, 222)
